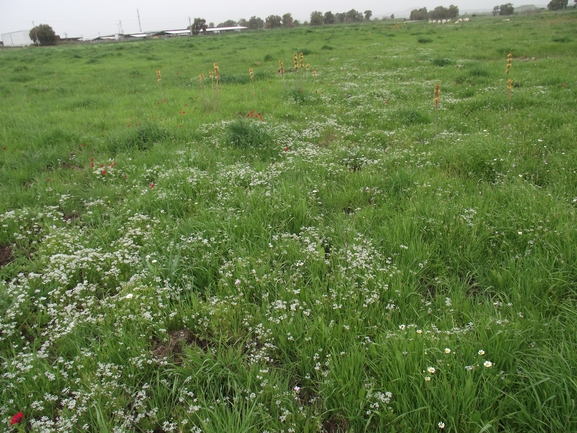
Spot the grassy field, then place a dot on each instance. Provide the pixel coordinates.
(332, 249)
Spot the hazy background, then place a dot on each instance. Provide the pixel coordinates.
(90, 19)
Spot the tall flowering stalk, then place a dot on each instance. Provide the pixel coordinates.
(159, 80)
(211, 100)
(295, 61)
(281, 68)
(509, 81)
(437, 95)
(217, 75)
(251, 74)
(301, 60)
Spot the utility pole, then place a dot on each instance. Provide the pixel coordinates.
(121, 30)
(189, 26)
(139, 26)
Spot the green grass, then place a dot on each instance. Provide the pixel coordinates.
(299, 253)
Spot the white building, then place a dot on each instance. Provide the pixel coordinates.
(17, 39)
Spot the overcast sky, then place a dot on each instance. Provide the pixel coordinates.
(101, 17)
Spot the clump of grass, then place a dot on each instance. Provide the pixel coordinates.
(562, 39)
(442, 62)
(410, 117)
(246, 133)
(141, 137)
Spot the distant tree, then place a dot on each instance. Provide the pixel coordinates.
(228, 23)
(316, 18)
(557, 5)
(242, 22)
(419, 14)
(287, 20)
(353, 16)
(368, 15)
(199, 25)
(329, 18)
(392, 16)
(507, 9)
(211, 24)
(340, 17)
(43, 35)
(273, 22)
(255, 23)
(443, 13)
(496, 10)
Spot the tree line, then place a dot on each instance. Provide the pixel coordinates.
(316, 19)
(439, 13)
(43, 34)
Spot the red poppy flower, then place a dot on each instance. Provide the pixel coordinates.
(152, 185)
(17, 419)
(103, 172)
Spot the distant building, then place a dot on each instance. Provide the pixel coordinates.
(165, 33)
(225, 29)
(17, 39)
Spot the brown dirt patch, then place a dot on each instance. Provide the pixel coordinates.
(178, 340)
(5, 255)
(336, 424)
(71, 216)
